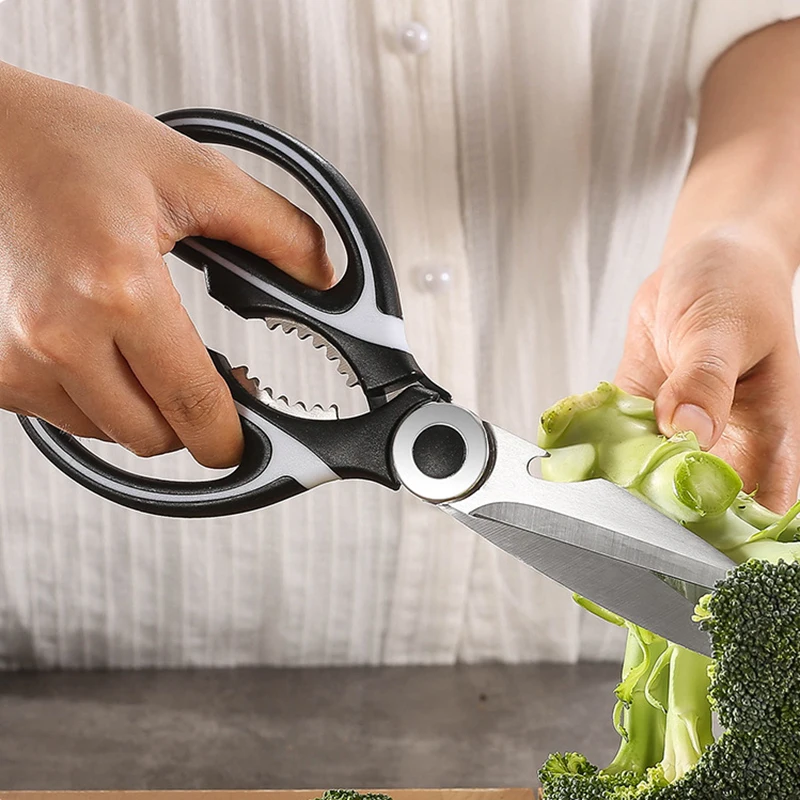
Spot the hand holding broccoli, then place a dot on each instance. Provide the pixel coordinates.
(711, 338)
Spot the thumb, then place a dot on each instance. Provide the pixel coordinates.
(698, 393)
(218, 200)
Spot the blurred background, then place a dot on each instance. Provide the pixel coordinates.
(522, 160)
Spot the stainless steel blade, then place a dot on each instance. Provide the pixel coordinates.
(632, 592)
(596, 539)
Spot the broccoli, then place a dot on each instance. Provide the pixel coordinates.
(668, 694)
(351, 794)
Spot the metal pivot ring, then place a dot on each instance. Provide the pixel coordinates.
(440, 451)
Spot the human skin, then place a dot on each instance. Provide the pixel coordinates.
(711, 332)
(93, 336)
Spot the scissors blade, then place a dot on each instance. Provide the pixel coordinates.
(596, 539)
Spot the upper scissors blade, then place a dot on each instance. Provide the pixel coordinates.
(598, 540)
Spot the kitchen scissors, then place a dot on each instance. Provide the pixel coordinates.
(593, 537)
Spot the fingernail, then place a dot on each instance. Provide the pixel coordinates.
(689, 417)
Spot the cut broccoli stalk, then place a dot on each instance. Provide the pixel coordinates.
(642, 724)
(665, 697)
(639, 716)
(689, 720)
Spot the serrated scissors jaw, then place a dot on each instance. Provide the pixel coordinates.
(303, 333)
(281, 402)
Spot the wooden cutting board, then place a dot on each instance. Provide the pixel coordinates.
(295, 794)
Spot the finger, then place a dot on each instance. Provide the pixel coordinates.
(105, 389)
(698, 394)
(28, 389)
(216, 199)
(639, 371)
(169, 360)
(762, 439)
(56, 407)
(770, 469)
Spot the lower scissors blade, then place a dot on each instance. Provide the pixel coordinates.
(658, 603)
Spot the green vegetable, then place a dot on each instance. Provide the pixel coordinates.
(667, 694)
(351, 794)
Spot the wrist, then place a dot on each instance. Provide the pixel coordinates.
(744, 195)
(738, 247)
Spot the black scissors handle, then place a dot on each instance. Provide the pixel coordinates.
(360, 316)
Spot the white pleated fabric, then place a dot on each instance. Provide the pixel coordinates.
(532, 154)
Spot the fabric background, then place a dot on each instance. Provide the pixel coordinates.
(534, 153)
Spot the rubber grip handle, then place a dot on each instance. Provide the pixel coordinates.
(361, 315)
(274, 466)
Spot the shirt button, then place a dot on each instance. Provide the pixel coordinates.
(433, 279)
(414, 38)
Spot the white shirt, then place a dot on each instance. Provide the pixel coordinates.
(523, 159)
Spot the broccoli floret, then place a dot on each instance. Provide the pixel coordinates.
(570, 776)
(754, 621)
(753, 618)
(741, 765)
(568, 764)
(351, 794)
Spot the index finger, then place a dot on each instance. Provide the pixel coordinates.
(639, 372)
(170, 361)
(208, 195)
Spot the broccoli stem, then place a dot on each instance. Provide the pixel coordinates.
(643, 724)
(781, 530)
(733, 535)
(609, 434)
(690, 486)
(689, 721)
(753, 513)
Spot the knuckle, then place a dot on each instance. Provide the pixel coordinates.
(191, 203)
(106, 290)
(116, 278)
(199, 406)
(125, 296)
(47, 339)
(639, 377)
(712, 374)
(305, 238)
(714, 367)
(122, 293)
(151, 445)
(206, 157)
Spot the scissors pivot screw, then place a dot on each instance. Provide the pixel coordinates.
(440, 451)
